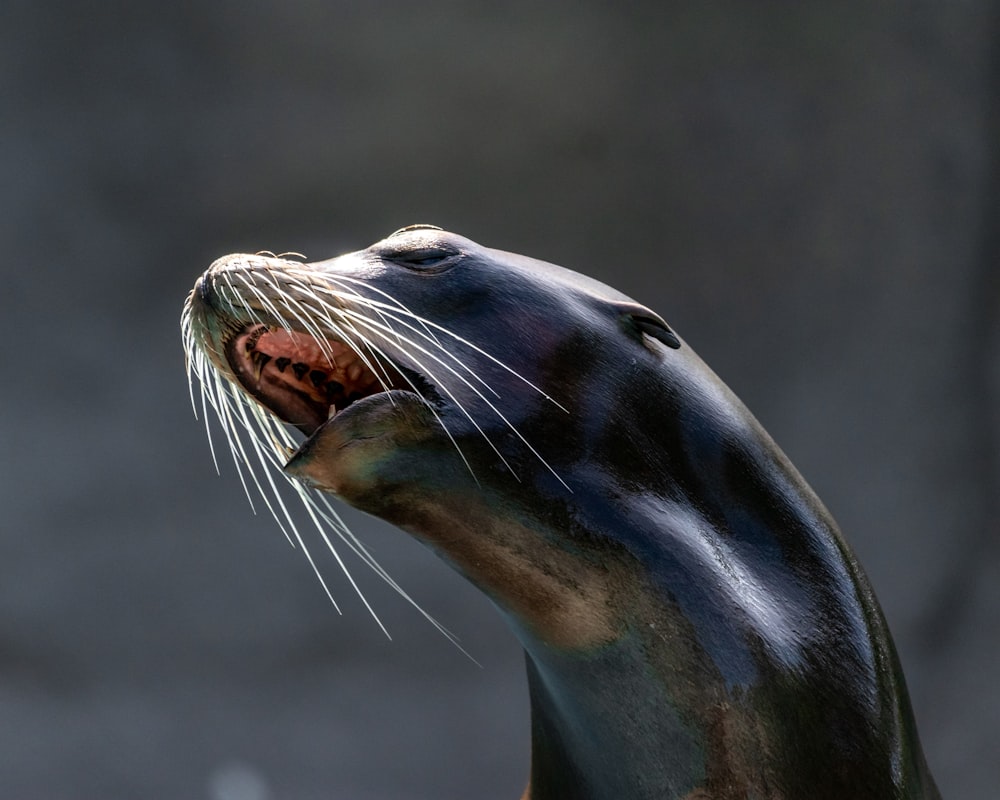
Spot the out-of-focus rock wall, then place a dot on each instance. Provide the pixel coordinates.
(808, 192)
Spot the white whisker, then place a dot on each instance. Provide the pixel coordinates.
(373, 326)
(346, 331)
(303, 319)
(344, 281)
(460, 339)
(205, 395)
(386, 331)
(266, 302)
(244, 306)
(377, 352)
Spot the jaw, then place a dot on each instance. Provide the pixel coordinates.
(366, 452)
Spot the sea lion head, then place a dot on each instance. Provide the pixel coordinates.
(687, 605)
(422, 357)
(468, 395)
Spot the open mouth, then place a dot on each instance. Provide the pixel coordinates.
(305, 382)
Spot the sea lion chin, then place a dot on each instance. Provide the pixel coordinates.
(360, 450)
(693, 622)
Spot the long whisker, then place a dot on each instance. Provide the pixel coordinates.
(205, 397)
(345, 282)
(444, 388)
(328, 515)
(299, 314)
(287, 516)
(380, 355)
(338, 329)
(266, 302)
(400, 309)
(378, 329)
(388, 318)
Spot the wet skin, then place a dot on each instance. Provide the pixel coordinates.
(693, 623)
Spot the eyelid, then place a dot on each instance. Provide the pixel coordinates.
(424, 257)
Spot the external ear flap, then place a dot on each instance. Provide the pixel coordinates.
(641, 320)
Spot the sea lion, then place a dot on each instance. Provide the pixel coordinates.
(693, 623)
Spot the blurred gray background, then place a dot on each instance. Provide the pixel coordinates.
(809, 192)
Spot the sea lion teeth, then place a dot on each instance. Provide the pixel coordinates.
(318, 378)
(251, 341)
(282, 363)
(332, 413)
(259, 360)
(300, 369)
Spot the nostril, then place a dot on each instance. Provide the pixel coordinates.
(318, 378)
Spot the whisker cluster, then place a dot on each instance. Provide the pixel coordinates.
(291, 296)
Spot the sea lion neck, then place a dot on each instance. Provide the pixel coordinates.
(729, 646)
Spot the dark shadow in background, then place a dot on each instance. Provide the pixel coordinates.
(803, 191)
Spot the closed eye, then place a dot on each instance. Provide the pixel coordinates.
(425, 258)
